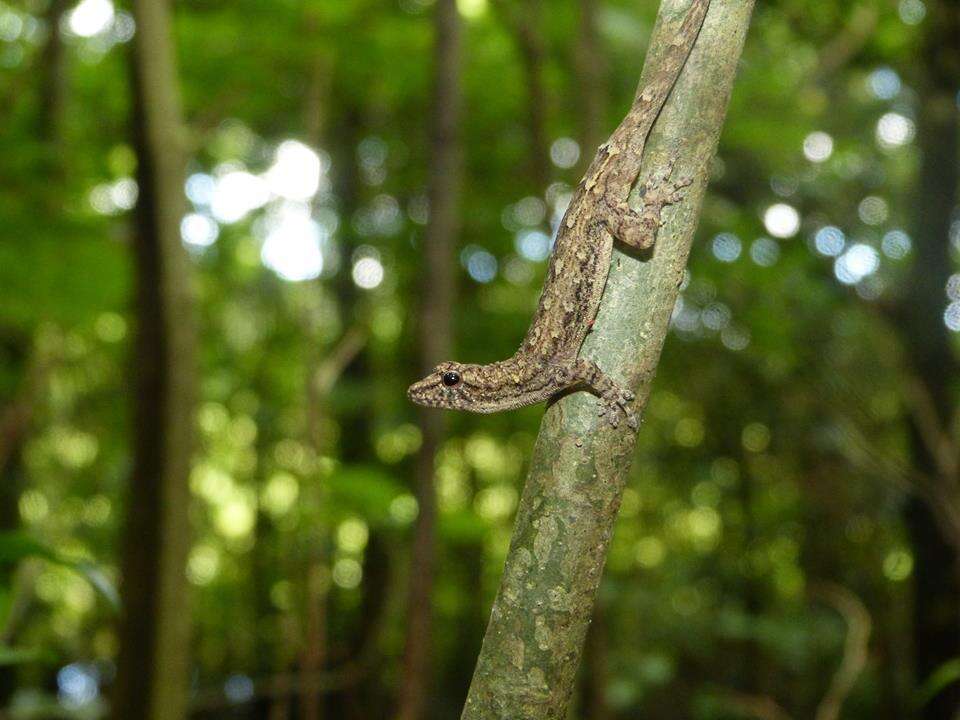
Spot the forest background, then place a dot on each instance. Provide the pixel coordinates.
(214, 290)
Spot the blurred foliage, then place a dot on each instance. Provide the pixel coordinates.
(745, 490)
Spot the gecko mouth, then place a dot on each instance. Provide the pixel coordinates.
(420, 395)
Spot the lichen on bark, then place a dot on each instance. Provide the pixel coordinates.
(531, 651)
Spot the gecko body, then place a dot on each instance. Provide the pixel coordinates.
(548, 361)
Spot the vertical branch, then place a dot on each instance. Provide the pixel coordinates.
(596, 675)
(152, 669)
(855, 651)
(437, 300)
(532, 648)
(318, 84)
(936, 620)
(533, 51)
(591, 82)
(54, 87)
(322, 375)
(525, 21)
(18, 413)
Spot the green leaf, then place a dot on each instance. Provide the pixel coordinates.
(16, 546)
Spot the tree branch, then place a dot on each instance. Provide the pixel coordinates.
(761, 707)
(855, 653)
(848, 43)
(940, 445)
(528, 662)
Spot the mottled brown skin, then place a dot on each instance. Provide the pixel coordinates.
(547, 361)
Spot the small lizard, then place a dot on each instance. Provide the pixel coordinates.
(547, 361)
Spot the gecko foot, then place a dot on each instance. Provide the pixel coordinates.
(638, 229)
(615, 402)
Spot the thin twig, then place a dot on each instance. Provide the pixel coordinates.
(327, 372)
(848, 43)
(856, 646)
(939, 444)
(762, 707)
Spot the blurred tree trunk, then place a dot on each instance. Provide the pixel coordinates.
(591, 83)
(153, 663)
(936, 616)
(472, 619)
(355, 421)
(532, 648)
(314, 656)
(321, 374)
(525, 21)
(533, 53)
(53, 70)
(436, 342)
(17, 408)
(316, 105)
(596, 674)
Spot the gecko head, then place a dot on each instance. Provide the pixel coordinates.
(450, 385)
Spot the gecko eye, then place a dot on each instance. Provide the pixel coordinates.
(451, 378)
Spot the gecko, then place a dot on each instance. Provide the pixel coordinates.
(548, 361)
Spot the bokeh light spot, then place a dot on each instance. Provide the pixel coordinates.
(530, 211)
(830, 241)
(78, 684)
(817, 147)
(859, 261)
(480, 264)
(726, 247)
(238, 689)
(90, 17)
(896, 244)
(236, 194)
(912, 12)
(884, 83)
(292, 245)
(873, 210)
(650, 552)
(953, 287)
(951, 316)
(897, 565)
(347, 573)
(367, 272)
(765, 252)
(894, 130)
(565, 152)
(781, 220)
(756, 437)
(199, 230)
(295, 173)
(404, 509)
(533, 245)
(352, 535)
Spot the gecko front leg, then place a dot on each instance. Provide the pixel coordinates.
(614, 400)
(639, 229)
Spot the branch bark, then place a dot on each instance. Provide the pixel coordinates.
(532, 647)
(436, 340)
(153, 664)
